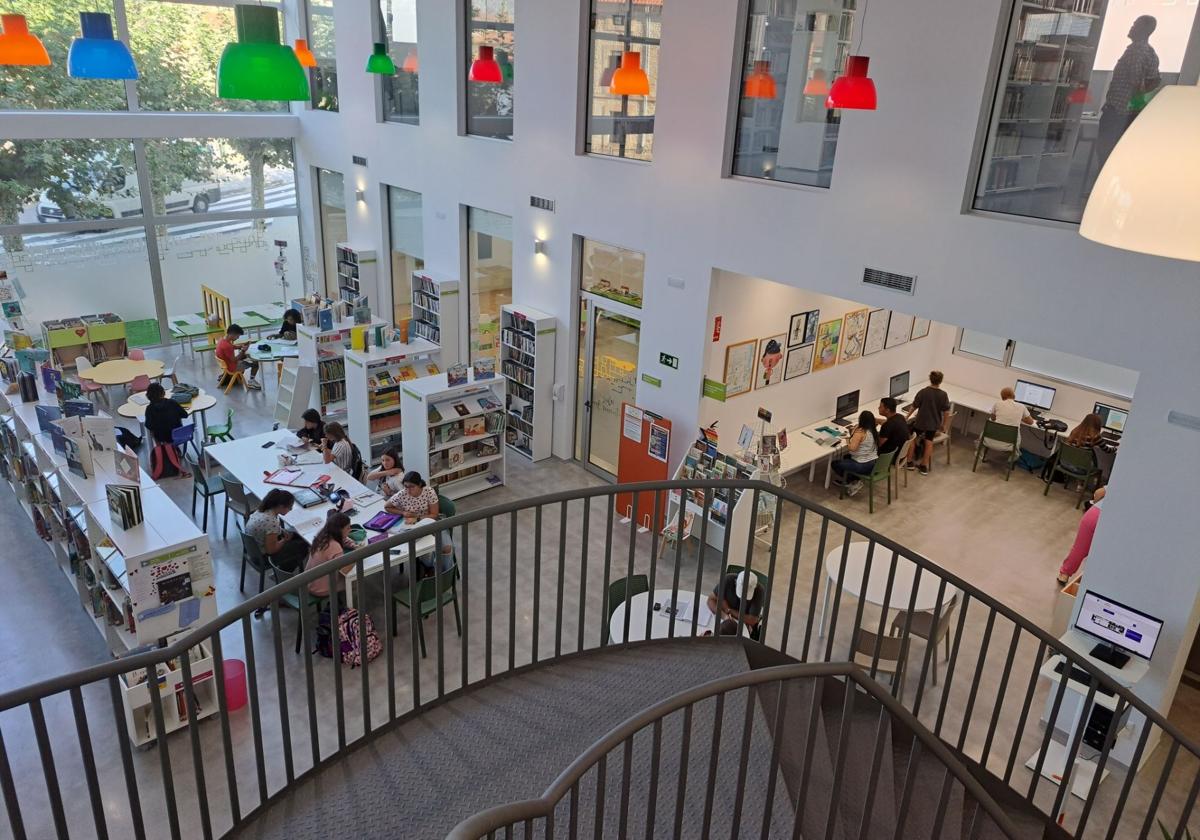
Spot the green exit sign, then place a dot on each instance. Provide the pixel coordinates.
(668, 360)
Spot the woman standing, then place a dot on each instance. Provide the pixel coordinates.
(863, 449)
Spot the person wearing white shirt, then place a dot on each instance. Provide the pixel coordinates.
(1009, 412)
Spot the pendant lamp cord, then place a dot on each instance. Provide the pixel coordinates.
(862, 27)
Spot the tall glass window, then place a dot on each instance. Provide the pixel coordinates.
(489, 277)
(620, 124)
(400, 101)
(331, 195)
(1075, 75)
(783, 130)
(491, 57)
(322, 80)
(408, 247)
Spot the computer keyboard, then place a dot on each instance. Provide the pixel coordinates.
(840, 421)
(1080, 675)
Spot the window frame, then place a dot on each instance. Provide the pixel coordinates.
(466, 55)
(380, 34)
(389, 240)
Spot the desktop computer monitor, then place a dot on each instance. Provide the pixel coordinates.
(1038, 396)
(847, 404)
(1119, 628)
(1112, 417)
(898, 384)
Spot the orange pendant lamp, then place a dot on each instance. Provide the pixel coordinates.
(411, 64)
(818, 85)
(485, 68)
(307, 59)
(630, 79)
(760, 84)
(854, 90)
(18, 46)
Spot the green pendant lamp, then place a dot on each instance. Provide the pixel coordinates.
(258, 67)
(380, 62)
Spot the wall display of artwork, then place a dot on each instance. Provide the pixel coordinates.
(920, 328)
(810, 326)
(828, 338)
(797, 327)
(799, 361)
(854, 331)
(899, 329)
(739, 367)
(877, 326)
(770, 361)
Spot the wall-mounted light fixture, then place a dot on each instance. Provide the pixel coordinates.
(539, 246)
(360, 195)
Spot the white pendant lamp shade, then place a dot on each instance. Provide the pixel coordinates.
(1147, 196)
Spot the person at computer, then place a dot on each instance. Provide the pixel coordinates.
(931, 405)
(1009, 412)
(893, 428)
(1088, 433)
(863, 452)
(1083, 539)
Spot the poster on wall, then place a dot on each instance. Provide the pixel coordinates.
(660, 442)
(854, 331)
(799, 361)
(810, 325)
(899, 329)
(770, 356)
(828, 337)
(797, 327)
(739, 367)
(920, 328)
(877, 326)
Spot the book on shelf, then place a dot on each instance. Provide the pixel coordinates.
(486, 403)
(456, 375)
(78, 408)
(79, 457)
(455, 456)
(462, 409)
(517, 372)
(46, 415)
(431, 368)
(435, 416)
(125, 504)
(484, 368)
(51, 377)
(325, 320)
(126, 465)
(474, 426)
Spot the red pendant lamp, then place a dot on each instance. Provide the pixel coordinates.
(630, 79)
(760, 84)
(307, 59)
(854, 90)
(818, 85)
(485, 68)
(410, 65)
(19, 46)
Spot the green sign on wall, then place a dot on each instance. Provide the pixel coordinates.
(714, 390)
(651, 380)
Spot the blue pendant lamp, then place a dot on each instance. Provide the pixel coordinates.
(97, 54)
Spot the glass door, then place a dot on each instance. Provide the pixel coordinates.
(608, 372)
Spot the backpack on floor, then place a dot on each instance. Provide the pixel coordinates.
(164, 461)
(352, 646)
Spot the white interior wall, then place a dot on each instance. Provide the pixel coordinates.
(896, 203)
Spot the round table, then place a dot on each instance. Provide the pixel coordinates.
(122, 371)
(881, 561)
(135, 410)
(660, 622)
(277, 350)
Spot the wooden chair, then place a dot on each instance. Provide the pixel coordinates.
(892, 653)
(942, 438)
(231, 376)
(998, 438)
(900, 465)
(923, 625)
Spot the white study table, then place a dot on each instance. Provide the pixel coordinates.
(660, 622)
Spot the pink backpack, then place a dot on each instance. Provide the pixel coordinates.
(351, 644)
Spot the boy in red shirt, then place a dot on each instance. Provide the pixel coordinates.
(235, 359)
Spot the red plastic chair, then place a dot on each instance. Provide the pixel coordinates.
(139, 384)
(137, 355)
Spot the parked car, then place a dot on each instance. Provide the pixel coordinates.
(120, 199)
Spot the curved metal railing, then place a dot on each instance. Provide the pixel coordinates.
(767, 693)
(533, 587)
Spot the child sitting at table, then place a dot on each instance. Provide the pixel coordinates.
(330, 543)
(314, 427)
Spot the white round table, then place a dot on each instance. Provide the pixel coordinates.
(660, 622)
(881, 561)
(136, 410)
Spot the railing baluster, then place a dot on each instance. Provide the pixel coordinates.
(1049, 733)
(655, 755)
(1038, 658)
(766, 612)
(512, 591)
(189, 703)
(633, 513)
(226, 736)
(817, 580)
(1110, 738)
(307, 619)
(439, 589)
(776, 748)
(487, 604)
(701, 554)
(1152, 808)
(954, 648)
(836, 593)
(89, 762)
(464, 571)
(562, 569)
(914, 761)
(743, 762)
(1000, 694)
(581, 628)
(608, 607)
(335, 628)
(285, 723)
(750, 542)
(810, 738)
(1187, 806)
(389, 621)
(116, 695)
(537, 580)
(883, 613)
(725, 543)
(943, 801)
(13, 805)
(414, 623)
(787, 615)
(601, 770)
(164, 754)
(626, 765)
(681, 784)
(927, 661)
(881, 730)
(714, 756)
(363, 659)
(675, 565)
(1134, 765)
(48, 771)
(849, 689)
(255, 711)
(573, 821)
(974, 692)
(862, 603)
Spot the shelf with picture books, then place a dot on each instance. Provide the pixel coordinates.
(453, 427)
(704, 460)
(527, 338)
(374, 377)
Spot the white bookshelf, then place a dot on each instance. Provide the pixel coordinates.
(356, 269)
(435, 314)
(295, 393)
(324, 351)
(373, 381)
(436, 443)
(527, 363)
(727, 508)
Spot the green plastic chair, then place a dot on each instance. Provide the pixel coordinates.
(219, 432)
(1075, 462)
(204, 485)
(882, 472)
(311, 601)
(999, 438)
(623, 589)
(427, 600)
(253, 556)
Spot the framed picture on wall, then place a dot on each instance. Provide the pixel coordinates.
(920, 328)
(799, 361)
(854, 331)
(810, 325)
(770, 361)
(829, 335)
(877, 326)
(899, 329)
(739, 367)
(796, 329)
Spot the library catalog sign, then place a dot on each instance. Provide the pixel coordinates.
(173, 590)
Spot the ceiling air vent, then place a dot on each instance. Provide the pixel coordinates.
(888, 280)
(541, 203)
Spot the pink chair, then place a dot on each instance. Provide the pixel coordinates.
(139, 384)
(137, 355)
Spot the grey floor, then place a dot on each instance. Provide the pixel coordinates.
(963, 521)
